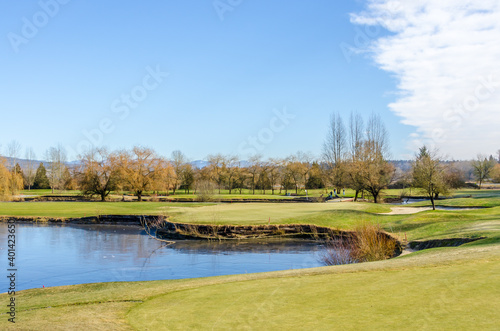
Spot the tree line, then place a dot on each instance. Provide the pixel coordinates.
(355, 155)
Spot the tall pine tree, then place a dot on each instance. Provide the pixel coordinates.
(41, 180)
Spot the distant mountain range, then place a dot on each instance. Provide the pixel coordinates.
(198, 164)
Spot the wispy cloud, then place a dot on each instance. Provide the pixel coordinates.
(446, 57)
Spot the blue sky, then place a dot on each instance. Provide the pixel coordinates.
(206, 76)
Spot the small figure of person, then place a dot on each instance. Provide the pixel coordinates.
(343, 191)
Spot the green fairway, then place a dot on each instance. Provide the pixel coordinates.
(347, 215)
(445, 289)
(49, 192)
(81, 209)
(245, 194)
(340, 215)
(453, 297)
(254, 212)
(442, 288)
(260, 213)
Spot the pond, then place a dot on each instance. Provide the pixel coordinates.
(55, 255)
(407, 201)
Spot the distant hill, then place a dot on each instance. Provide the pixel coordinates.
(404, 165)
(24, 163)
(199, 164)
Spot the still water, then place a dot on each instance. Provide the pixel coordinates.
(54, 255)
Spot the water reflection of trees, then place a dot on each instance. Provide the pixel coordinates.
(130, 243)
(85, 241)
(62, 254)
(125, 242)
(265, 247)
(121, 241)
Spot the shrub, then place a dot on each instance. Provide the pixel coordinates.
(205, 191)
(367, 243)
(372, 244)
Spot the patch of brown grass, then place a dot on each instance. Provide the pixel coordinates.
(372, 243)
(368, 242)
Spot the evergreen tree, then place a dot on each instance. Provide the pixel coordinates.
(41, 180)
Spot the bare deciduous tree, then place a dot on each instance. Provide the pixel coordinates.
(56, 158)
(217, 166)
(374, 170)
(30, 170)
(356, 135)
(275, 169)
(178, 160)
(139, 169)
(253, 170)
(241, 178)
(428, 175)
(335, 151)
(377, 135)
(232, 168)
(356, 141)
(13, 150)
(495, 173)
(188, 177)
(99, 173)
(305, 160)
(481, 168)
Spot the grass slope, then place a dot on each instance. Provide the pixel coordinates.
(453, 297)
(446, 289)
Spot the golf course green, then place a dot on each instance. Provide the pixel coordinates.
(448, 288)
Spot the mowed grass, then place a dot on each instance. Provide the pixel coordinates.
(341, 215)
(441, 289)
(451, 297)
(262, 213)
(424, 225)
(49, 192)
(244, 212)
(81, 209)
(467, 198)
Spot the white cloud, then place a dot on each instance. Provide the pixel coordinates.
(446, 56)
